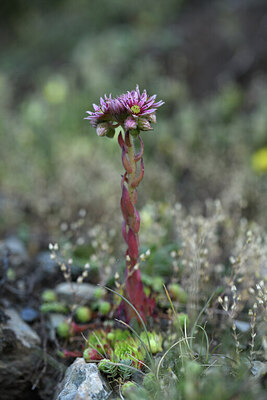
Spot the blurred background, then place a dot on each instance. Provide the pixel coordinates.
(207, 60)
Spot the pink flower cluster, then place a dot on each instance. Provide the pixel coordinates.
(133, 111)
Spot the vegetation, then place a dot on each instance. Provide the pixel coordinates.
(202, 202)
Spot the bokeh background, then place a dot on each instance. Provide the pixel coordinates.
(206, 59)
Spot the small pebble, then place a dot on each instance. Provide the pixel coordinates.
(28, 314)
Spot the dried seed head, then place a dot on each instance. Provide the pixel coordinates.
(142, 257)
(63, 268)
(117, 276)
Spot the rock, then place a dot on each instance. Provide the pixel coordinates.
(48, 267)
(83, 381)
(84, 292)
(19, 355)
(55, 320)
(46, 264)
(29, 314)
(23, 332)
(259, 368)
(242, 325)
(3, 316)
(16, 250)
(15, 246)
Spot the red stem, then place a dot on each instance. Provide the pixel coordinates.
(134, 291)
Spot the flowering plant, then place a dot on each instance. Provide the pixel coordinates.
(133, 112)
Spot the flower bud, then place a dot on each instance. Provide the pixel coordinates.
(144, 125)
(105, 129)
(152, 117)
(130, 123)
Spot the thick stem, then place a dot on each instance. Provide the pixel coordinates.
(134, 291)
(131, 176)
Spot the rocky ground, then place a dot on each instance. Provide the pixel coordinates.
(27, 371)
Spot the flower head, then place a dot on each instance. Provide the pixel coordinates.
(138, 104)
(133, 111)
(102, 112)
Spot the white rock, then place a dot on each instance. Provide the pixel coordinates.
(83, 381)
(24, 333)
(16, 250)
(83, 292)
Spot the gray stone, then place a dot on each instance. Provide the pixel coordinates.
(49, 267)
(23, 332)
(15, 245)
(82, 292)
(29, 314)
(55, 320)
(19, 357)
(16, 250)
(259, 368)
(242, 325)
(46, 264)
(83, 382)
